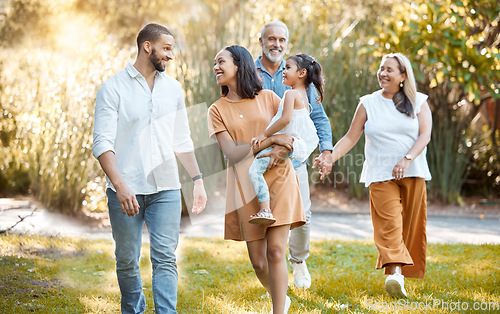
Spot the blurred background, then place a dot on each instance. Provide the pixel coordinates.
(55, 54)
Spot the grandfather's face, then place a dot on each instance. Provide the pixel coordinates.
(274, 42)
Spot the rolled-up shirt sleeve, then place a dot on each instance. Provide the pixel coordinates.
(105, 120)
(182, 142)
(320, 119)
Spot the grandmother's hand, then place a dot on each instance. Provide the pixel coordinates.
(398, 172)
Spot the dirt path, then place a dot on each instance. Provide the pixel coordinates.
(334, 217)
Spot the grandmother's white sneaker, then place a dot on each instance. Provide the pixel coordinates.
(395, 284)
(301, 276)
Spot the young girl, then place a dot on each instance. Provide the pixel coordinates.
(293, 119)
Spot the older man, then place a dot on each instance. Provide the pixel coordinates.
(140, 126)
(270, 66)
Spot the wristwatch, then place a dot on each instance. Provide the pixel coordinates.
(200, 176)
(409, 157)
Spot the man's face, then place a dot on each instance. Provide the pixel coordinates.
(274, 43)
(161, 52)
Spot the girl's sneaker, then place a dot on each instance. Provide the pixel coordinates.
(263, 217)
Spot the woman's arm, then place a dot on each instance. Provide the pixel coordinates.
(346, 143)
(231, 150)
(424, 137)
(236, 153)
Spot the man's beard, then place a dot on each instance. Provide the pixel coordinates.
(156, 61)
(272, 58)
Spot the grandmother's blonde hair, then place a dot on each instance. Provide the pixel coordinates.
(409, 85)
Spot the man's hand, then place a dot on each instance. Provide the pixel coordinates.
(128, 201)
(277, 154)
(199, 197)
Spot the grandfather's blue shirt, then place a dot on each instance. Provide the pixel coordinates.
(318, 115)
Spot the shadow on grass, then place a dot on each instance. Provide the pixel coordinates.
(54, 275)
(61, 275)
(216, 277)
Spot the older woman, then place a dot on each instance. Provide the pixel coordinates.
(397, 123)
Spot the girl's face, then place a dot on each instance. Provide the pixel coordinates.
(224, 68)
(292, 74)
(389, 76)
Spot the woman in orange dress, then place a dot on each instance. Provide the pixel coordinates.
(243, 112)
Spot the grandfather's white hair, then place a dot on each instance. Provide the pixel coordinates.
(273, 23)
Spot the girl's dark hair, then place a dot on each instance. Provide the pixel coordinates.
(248, 83)
(314, 72)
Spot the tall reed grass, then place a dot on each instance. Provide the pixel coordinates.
(48, 85)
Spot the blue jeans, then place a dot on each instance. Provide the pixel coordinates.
(256, 172)
(162, 214)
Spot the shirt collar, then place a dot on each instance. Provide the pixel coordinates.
(258, 65)
(132, 71)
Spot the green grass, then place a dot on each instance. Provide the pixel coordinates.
(63, 275)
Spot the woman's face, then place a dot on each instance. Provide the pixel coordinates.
(224, 68)
(389, 75)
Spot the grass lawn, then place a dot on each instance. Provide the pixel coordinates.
(63, 275)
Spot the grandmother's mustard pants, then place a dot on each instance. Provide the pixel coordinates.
(399, 216)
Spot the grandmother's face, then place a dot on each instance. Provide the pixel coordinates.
(389, 76)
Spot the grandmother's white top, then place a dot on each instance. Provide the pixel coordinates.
(389, 135)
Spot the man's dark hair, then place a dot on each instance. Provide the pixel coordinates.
(151, 32)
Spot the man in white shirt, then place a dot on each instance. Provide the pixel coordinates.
(140, 125)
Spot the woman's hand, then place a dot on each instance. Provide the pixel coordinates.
(324, 162)
(399, 169)
(284, 140)
(277, 154)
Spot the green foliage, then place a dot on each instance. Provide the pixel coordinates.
(63, 275)
(51, 70)
(47, 103)
(35, 16)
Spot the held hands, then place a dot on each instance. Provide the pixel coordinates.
(257, 140)
(200, 197)
(324, 162)
(399, 169)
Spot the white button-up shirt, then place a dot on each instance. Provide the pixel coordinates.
(143, 128)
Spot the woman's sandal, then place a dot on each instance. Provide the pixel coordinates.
(263, 217)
